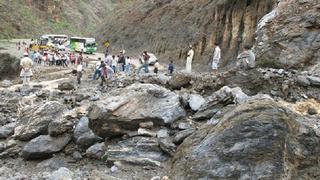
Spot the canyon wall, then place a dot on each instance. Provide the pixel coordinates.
(166, 28)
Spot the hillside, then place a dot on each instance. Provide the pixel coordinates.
(167, 27)
(25, 18)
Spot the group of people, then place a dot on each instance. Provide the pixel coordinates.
(105, 69)
(245, 60)
(55, 57)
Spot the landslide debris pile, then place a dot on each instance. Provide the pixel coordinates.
(223, 134)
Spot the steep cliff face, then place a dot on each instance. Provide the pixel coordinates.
(25, 18)
(167, 27)
(291, 38)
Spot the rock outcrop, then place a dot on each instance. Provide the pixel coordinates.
(259, 139)
(291, 37)
(123, 110)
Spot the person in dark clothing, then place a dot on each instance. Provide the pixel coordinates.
(145, 64)
(122, 61)
(170, 68)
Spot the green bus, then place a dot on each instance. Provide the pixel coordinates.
(86, 45)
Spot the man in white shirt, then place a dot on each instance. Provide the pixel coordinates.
(189, 59)
(26, 72)
(79, 73)
(216, 59)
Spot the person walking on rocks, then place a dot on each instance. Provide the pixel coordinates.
(97, 72)
(26, 71)
(246, 59)
(170, 68)
(145, 65)
(104, 74)
(189, 59)
(216, 59)
(79, 73)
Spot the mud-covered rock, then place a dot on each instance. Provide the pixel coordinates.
(7, 130)
(96, 151)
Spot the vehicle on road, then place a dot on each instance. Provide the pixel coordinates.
(49, 41)
(85, 45)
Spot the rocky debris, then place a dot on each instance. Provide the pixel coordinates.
(124, 109)
(180, 136)
(195, 101)
(63, 123)
(303, 81)
(137, 150)
(7, 130)
(96, 151)
(220, 99)
(167, 146)
(9, 149)
(312, 111)
(83, 135)
(44, 146)
(162, 133)
(6, 83)
(184, 125)
(314, 81)
(147, 125)
(248, 143)
(76, 156)
(52, 164)
(180, 80)
(62, 174)
(35, 119)
(145, 132)
(66, 86)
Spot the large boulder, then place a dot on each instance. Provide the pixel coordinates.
(123, 109)
(44, 146)
(291, 38)
(259, 139)
(34, 120)
(66, 86)
(180, 80)
(218, 100)
(63, 124)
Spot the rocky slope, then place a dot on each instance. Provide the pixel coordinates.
(27, 18)
(167, 27)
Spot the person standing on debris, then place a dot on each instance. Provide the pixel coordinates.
(79, 73)
(122, 62)
(216, 59)
(189, 59)
(26, 71)
(104, 74)
(246, 59)
(114, 63)
(145, 65)
(156, 67)
(97, 72)
(170, 68)
(128, 65)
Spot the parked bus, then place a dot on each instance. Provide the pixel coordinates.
(86, 45)
(48, 41)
